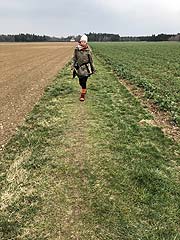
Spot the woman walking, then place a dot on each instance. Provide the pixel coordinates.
(83, 64)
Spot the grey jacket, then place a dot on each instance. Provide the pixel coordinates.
(83, 62)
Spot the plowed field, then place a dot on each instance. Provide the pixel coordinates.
(25, 70)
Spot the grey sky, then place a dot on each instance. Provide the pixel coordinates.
(72, 17)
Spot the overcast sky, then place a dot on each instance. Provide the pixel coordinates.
(72, 17)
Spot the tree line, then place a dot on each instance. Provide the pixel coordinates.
(93, 37)
(26, 38)
(104, 37)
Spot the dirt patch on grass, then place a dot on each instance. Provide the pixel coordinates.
(77, 151)
(161, 119)
(25, 70)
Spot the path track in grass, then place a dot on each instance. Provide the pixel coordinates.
(89, 170)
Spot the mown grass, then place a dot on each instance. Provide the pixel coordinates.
(153, 66)
(89, 170)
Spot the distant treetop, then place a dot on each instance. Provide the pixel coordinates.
(93, 37)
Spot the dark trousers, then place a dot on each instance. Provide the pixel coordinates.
(82, 82)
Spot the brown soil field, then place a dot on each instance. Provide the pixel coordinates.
(25, 70)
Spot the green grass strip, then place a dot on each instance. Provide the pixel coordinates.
(155, 67)
(89, 170)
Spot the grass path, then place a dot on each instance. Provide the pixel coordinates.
(89, 170)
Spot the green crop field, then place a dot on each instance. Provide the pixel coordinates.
(153, 66)
(89, 170)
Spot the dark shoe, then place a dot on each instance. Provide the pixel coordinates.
(82, 97)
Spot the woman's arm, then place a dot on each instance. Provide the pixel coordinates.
(74, 59)
(91, 61)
